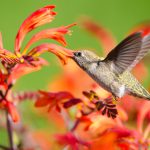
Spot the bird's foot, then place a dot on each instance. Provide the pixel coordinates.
(114, 99)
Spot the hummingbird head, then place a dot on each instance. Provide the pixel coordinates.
(84, 57)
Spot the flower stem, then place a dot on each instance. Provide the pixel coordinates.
(9, 130)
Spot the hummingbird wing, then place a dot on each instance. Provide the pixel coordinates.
(129, 52)
(145, 47)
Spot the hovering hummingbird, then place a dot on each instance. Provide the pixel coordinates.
(113, 72)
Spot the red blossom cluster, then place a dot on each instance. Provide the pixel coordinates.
(26, 60)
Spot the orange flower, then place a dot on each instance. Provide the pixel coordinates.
(59, 51)
(28, 62)
(104, 142)
(38, 18)
(18, 64)
(12, 111)
(52, 99)
(55, 33)
(9, 57)
(9, 106)
(3, 78)
(25, 68)
(69, 139)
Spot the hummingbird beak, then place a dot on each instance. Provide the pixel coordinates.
(68, 53)
(63, 54)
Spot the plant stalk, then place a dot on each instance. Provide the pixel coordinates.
(9, 131)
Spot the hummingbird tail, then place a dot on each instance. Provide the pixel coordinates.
(143, 97)
(134, 87)
(142, 94)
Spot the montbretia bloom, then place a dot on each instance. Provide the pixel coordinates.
(26, 60)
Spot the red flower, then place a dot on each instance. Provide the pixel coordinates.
(52, 99)
(55, 33)
(17, 64)
(25, 68)
(86, 120)
(3, 79)
(38, 18)
(9, 106)
(59, 51)
(12, 111)
(21, 64)
(69, 139)
(9, 57)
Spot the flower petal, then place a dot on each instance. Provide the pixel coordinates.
(53, 99)
(107, 141)
(55, 33)
(8, 57)
(12, 111)
(72, 102)
(87, 121)
(61, 52)
(36, 19)
(25, 68)
(41, 102)
(71, 140)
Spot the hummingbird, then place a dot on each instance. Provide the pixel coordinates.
(113, 72)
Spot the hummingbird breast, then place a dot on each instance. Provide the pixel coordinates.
(107, 79)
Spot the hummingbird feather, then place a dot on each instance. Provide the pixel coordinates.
(144, 50)
(133, 86)
(129, 52)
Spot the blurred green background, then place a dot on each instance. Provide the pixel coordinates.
(116, 15)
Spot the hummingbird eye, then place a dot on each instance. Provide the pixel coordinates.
(98, 62)
(78, 54)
